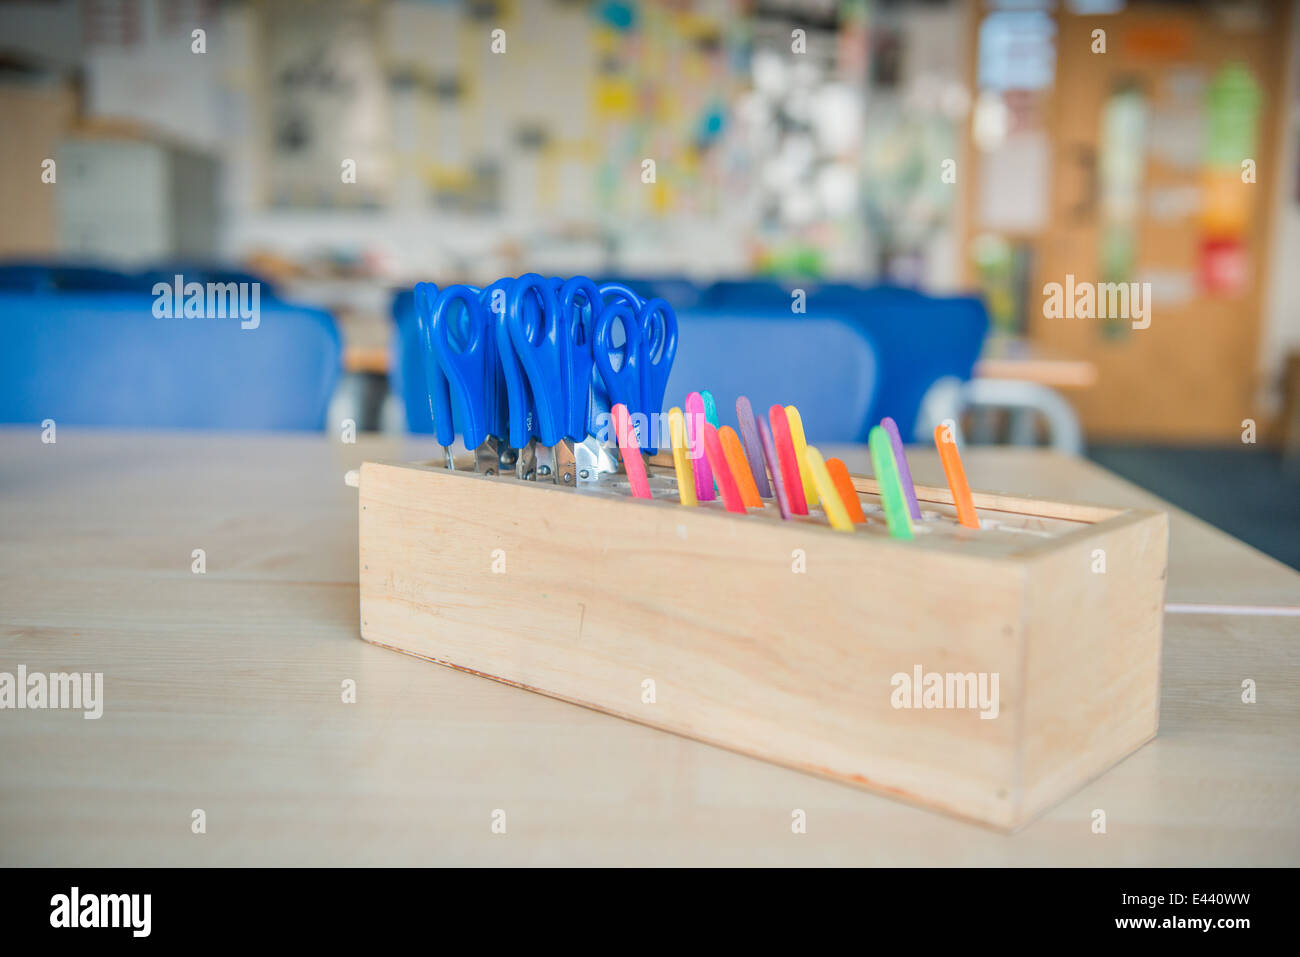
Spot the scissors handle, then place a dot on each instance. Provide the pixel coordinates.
(624, 383)
(658, 324)
(580, 303)
(520, 416)
(532, 317)
(436, 380)
(613, 292)
(469, 366)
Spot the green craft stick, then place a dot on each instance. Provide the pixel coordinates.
(711, 417)
(710, 409)
(891, 488)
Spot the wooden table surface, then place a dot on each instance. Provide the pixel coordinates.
(1011, 357)
(223, 693)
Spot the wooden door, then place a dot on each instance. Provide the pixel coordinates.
(1146, 186)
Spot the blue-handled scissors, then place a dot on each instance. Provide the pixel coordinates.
(462, 339)
(580, 303)
(439, 391)
(622, 382)
(611, 292)
(520, 415)
(540, 333)
(659, 335)
(650, 345)
(614, 291)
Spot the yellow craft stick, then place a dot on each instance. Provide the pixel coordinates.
(685, 475)
(832, 505)
(800, 454)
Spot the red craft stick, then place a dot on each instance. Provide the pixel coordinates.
(789, 463)
(721, 471)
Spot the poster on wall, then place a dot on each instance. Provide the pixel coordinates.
(327, 111)
(1232, 106)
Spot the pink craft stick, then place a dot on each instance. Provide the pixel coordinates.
(700, 464)
(631, 450)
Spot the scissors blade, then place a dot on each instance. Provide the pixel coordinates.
(566, 466)
(526, 463)
(558, 463)
(487, 457)
(594, 460)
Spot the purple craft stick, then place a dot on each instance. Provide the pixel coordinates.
(753, 448)
(695, 435)
(904, 472)
(769, 453)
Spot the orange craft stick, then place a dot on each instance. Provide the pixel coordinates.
(721, 473)
(735, 453)
(844, 485)
(952, 468)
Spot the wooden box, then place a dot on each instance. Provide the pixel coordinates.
(790, 641)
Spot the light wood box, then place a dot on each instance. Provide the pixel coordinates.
(601, 594)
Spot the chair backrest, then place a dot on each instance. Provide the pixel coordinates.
(680, 292)
(104, 359)
(748, 294)
(825, 366)
(64, 276)
(204, 273)
(919, 339)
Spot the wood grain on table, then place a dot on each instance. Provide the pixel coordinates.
(223, 692)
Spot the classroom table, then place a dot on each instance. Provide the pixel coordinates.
(1011, 357)
(223, 693)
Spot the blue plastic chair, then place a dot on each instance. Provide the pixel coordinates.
(203, 273)
(749, 294)
(825, 366)
(680, 291)
(67, 277)
(63, 276)
(103, 359)
(919, 339)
